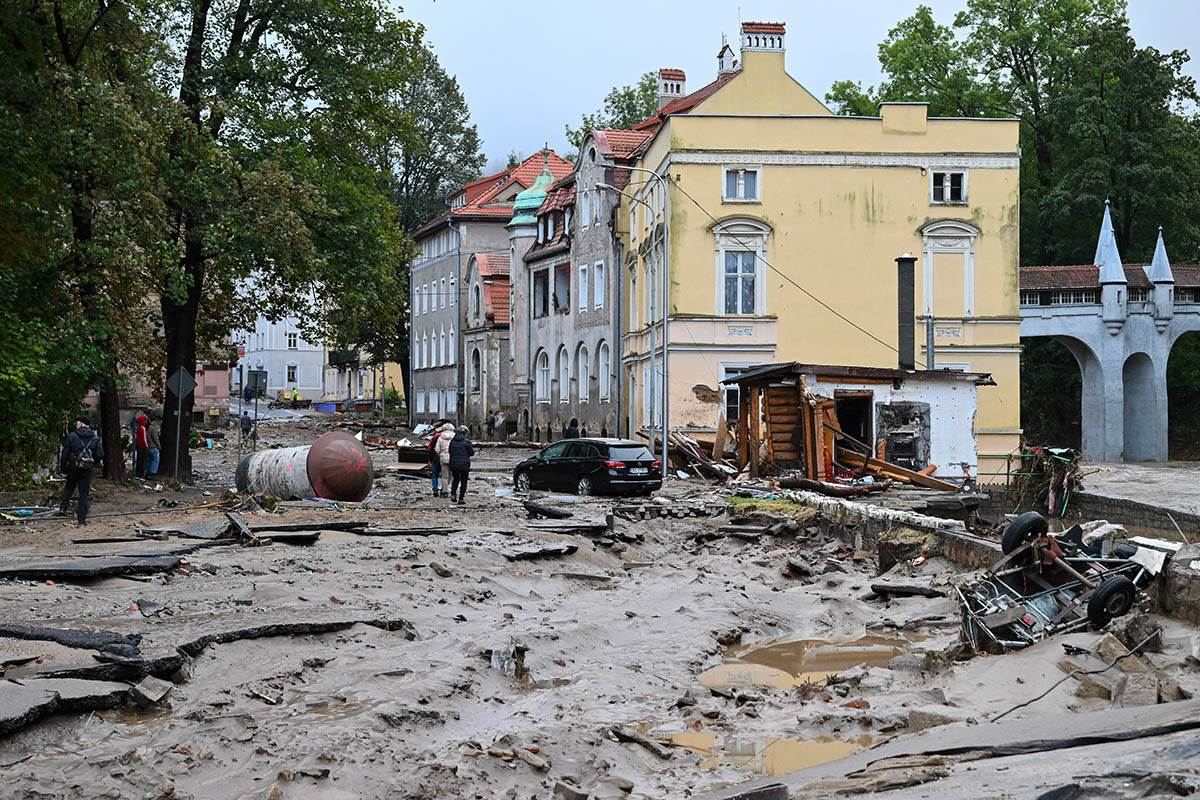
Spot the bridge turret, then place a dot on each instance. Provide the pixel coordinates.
(1114, 294)
(1159, 273)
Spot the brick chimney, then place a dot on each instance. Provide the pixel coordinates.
(672, 85)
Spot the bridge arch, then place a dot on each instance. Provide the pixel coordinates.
(1141, 415)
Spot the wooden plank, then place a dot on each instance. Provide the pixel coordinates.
(722, 435)
(755, 433)
(743, 434)
(853, 459)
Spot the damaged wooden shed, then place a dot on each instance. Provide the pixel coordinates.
(817, 418)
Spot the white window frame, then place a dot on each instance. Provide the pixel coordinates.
(741, 234)
(293, 340)
(451, 401)
(599, 290)
(293, 373)
(451, 349)
(453, 293)
(604, 371)
(966, 194)
(583, 286)
(442, 292)
(583, 369)
(542, 377)
(585, 216)
(741, 169)
(420, 401)
(948, 236)
(442, 347)
(727, 370)
(564, 375)
(434, 404)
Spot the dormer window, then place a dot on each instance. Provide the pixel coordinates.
(459, 200)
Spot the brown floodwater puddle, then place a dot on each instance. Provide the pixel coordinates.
(784, 664)
(766, 756)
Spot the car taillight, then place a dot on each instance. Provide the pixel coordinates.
(656, 465)
(615, 464)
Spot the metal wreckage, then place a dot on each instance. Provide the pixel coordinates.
(1048, 583)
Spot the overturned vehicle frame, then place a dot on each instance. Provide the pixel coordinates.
(1046, 584)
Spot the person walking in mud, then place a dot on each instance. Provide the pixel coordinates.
(80, 454)
(440, 456)
(461, 449)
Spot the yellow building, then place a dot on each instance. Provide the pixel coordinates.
(782, 218)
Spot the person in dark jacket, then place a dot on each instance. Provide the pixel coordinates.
(141, 441)
(81, 453)
(461, 451)
(572, 430)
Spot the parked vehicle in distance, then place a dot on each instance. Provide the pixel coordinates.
(591, 466)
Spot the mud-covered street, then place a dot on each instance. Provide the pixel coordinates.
(448, 651)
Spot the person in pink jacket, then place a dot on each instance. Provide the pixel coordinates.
(441, 452)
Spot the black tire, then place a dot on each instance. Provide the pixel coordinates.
(1113, 598)
(585, 487)
(1028, 526)
(521, 482)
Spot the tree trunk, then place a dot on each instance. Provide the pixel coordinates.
(179, 322)
(110, 427)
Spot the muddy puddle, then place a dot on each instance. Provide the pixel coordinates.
(764, 755)
(784, 664)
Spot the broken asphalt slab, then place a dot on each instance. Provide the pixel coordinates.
(25, 702)
(91, 568)
(208, 529)
(118, 644)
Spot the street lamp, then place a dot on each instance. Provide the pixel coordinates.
(664, 294)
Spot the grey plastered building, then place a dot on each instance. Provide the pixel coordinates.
(474, 223)
(489, 406)
(565, 290)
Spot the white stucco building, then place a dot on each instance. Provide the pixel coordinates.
(289, 359)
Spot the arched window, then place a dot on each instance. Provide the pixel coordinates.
(451, 349)
(741, 247)
(476, 301)
(542, 377)
(476, 370)
(583, 369)
(604, 371)
(442, 347)
(564, 375)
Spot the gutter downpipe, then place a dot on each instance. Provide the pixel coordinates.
(459, 346)
(666, 336)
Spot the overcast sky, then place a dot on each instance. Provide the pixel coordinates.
(528, 68)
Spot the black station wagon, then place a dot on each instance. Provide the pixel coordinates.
(591, 466)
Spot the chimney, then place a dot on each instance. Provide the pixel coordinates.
(671, 85)
(762, 37)
(906, 298)
(725, 60)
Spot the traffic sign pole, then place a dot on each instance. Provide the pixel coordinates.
(181, 383)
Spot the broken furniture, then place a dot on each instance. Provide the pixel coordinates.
(1047, 584)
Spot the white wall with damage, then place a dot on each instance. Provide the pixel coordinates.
(952, 405)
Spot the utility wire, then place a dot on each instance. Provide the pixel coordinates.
(787, 278)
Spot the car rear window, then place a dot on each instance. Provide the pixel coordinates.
(630, 454)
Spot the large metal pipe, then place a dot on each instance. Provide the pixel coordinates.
(336, 467)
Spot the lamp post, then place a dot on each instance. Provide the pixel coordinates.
(664, 294)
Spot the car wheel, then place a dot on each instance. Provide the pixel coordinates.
(1028, 526)
(522, 482)
(584, 487)
(1112, 598)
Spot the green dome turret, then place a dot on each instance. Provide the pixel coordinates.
(527, 203)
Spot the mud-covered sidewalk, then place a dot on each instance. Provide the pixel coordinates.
(471, 652)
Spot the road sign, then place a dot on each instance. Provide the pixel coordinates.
(241, 351)
(257, 380)
(181, 383)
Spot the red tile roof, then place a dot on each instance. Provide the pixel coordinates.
(686, 103)
(482, 193)
(1087, 276)
(620, 143)
(495, 299)
(492, 264)
(672, 74)
(560, 196)
(764, 27)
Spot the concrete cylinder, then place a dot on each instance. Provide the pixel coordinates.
(335, 467)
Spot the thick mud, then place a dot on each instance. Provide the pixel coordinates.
(446, 669)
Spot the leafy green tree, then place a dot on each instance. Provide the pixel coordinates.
(274, 188)
(623, 106)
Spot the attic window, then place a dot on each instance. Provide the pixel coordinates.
(741, 185)
(948, 187)
(592, 154)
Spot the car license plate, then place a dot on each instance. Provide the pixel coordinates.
(638, 470)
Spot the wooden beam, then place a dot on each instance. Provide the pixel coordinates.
(755, 431)
(853, 459)
(743, 428)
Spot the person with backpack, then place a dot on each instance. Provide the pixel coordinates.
(141, 440)
(460, 451)
(81, 453)
(446, 431)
